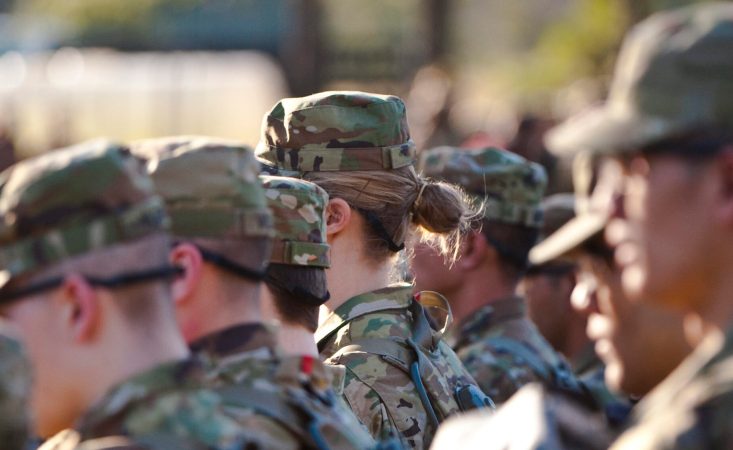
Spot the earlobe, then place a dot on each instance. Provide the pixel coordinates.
(338, 216)
(81, 307)
(187, 257)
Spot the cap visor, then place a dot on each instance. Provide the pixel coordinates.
(605, 130)
(568, 238)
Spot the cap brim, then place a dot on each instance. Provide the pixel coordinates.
(568, 238)
(606, 130)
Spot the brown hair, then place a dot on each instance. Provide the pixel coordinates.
(298, 291)
(402, 200)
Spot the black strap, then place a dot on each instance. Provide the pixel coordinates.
(229, 265)
(110, 283)
(377, 226)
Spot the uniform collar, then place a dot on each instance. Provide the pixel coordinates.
(397, 296)
(490, 315)
(235, 340)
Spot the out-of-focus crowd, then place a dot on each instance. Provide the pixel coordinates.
(333, 288)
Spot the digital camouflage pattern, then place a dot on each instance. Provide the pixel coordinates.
(673, 75)
(503, 350)
(293, 392)
(73, 201)
(692, 407)
(535, 418)
(337, 131)
(298, 208)
(509, 187)
(211, 190)
(382, 395)
(163, 408)
(14, 393)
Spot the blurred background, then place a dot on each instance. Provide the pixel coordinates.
(472, 72)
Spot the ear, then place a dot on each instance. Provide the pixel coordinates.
(338, 216)
(187, 257)
(474, 251)
(80, 307)
(724, 164)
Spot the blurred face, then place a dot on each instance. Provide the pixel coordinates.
(52, 401)
(548, 303)
(639, 343)
(432, 272)
(661, 230)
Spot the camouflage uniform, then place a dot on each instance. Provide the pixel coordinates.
(14, 389)
(224, 201)
(499, 345)
(369, 334)
(674, 78)
(86, 198)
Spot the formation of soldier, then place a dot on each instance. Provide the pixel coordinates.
(193, 293)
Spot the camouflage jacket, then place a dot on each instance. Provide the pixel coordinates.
(503, 350)
(383, 395)
(162, 408)
(693, 407)
(294, 391)
(14, 390)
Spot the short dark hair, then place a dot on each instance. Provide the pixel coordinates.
(512, 242)
(298, 291)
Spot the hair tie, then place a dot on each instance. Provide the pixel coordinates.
(420, 190)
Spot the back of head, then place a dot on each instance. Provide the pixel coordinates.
(214, 198)
(75, 205)
(507, 188)
(300, 253)
(357, 147)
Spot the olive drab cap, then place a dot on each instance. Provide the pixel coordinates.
(299, 209)
(337, 131)
(674, 75)
(211, 190)
(510, 187)
(73, 201)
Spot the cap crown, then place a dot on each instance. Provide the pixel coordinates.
(510, 186)
(73, 201)
(210, 187)
(299, 209)
(337, 131)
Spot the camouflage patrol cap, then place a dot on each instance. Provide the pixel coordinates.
(210, 188)
(337, 131)
(73, 201)
(510, 186)
(299, 209)
(674, 76)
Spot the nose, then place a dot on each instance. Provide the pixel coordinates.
(583, 298)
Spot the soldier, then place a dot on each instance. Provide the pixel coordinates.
(222, 229)
(493, 336)
(668, 129)
(401, 377)
(85, 273)
(295, 285)
(14, 389)
(547, 288)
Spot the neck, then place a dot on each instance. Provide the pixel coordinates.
(213, 308)
(161, 346)
(716, 315)
(480, 288)
(295, 340)
(350, 275)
